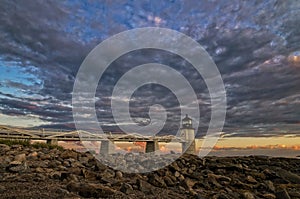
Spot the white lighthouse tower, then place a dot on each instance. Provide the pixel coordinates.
(188, 134)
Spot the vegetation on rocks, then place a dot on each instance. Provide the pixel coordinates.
(27, 143)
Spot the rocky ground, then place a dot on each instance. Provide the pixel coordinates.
(26, 172)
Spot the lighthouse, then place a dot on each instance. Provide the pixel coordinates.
(187, 132)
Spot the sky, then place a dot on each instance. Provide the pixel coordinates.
(255, 45)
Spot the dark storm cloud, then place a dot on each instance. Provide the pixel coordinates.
(48, 112)
(33, 33)
(249, 41)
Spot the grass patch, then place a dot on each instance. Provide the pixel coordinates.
(26, 143)
(15, 142)
(39, 145)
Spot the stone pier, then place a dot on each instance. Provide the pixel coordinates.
(52, 142)
(107, 147)
(152, 146)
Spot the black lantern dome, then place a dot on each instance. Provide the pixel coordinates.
(187, 122)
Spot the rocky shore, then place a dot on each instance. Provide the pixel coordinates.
(27, 172)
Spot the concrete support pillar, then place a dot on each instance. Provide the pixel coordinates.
(152, 146)
(107, 147)
(52, 142)
(189, 147)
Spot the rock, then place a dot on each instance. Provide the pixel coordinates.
(181, 188)
(73, 177)
(19, 168)
(68, 154)
(181, 178)
(251, 179)
(176, 174)
(96, 190)
(221, 196)
(16, 147)
(70, 174)
(33, 154)
(62, 191)
(90, 190)
(188, 184)
(39, 170)
(2, 189)
(126, 188)
(45, 157)
(220, 177)
(77, 164)
(269, 196)
(73, 186)
(157, 181)
(83, 160)
(55, 175)
(144, 186)
(270, 185)
(87, 174)
(75, 170)
(258, 175)
(15, 163)
(66, 163)
(54, 164)
(20, 157)
(238, 184)
(294, 193)
(289, 176)
(40, 177)
(212, 180)
(39, 163)
(119, 174)
(248, 195)
(174, 166)
(147, 163)
(169, 182)
(282, 194)
(107, 173)
(192, 167)
(4, 148)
